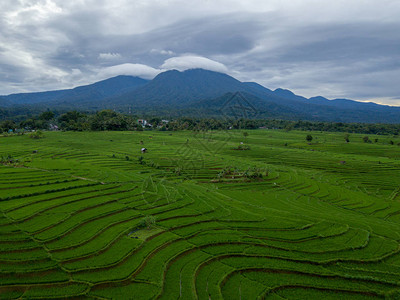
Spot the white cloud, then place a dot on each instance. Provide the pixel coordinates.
(167, 52)
(162, 52)
(182, 63)
(76, 72)
(139, 70)
(109, 56)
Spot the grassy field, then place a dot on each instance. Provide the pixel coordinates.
(86, 214)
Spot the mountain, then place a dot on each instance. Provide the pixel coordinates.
(79, 95)
(268, 107)
(199, 92)
(289, 95)
(344, 103)
(4, 102)
(180, 88)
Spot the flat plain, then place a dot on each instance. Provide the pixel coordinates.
(209, 215)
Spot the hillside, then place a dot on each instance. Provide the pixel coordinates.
(4, 102)
(79, 96)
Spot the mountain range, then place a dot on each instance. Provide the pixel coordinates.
(198, 92)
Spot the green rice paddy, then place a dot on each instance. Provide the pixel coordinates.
(285, 219)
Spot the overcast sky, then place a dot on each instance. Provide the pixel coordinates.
(337, 49)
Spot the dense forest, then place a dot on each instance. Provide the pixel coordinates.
(111, 120)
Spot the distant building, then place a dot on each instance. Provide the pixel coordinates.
(142, 122)
(53, 127)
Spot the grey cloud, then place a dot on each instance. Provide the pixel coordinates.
(225, 34)
(209, 36)
(336, 60)
(343, 42)
(335, 49)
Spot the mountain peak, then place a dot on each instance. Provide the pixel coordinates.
(284, 92)
(192, 72)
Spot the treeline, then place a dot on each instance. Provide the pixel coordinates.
(111, 120)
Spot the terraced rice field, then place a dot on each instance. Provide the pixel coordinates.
(323, 220)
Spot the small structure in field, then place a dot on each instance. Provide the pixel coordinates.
(144, 150)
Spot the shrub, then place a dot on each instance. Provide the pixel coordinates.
(148, 221)
(36, 135)
(243, 147)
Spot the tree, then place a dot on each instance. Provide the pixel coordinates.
(366, 139)
(28, 124)
(245, 134)
(7, 125)
(46, 116)
(289, 127)
(346, 137)
(148, 221)
(155, 121)
(73, 120)
(309, 138)
(71, 116)
(140, 159)
(36, 135)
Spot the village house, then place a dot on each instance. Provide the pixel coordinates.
(142, 122)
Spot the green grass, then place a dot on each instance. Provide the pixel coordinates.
(321, 222)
